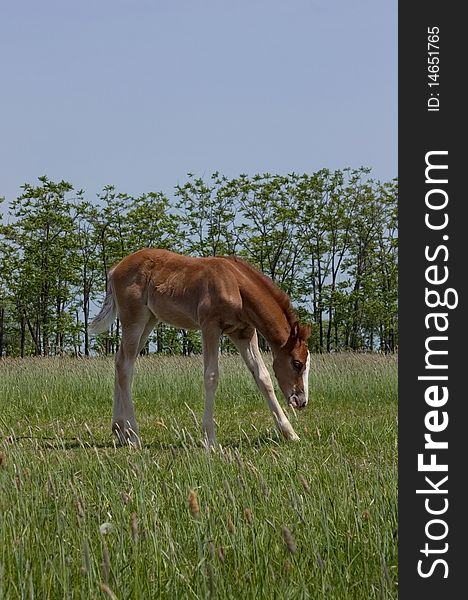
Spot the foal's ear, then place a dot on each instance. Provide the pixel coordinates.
(299, 332)
(294, 335)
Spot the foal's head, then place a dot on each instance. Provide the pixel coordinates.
(291, 367)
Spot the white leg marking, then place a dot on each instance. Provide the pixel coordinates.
(305, 377)
(250, 352)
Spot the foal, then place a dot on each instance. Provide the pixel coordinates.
(218, 295)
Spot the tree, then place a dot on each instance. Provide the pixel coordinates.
(207, 215)
(42, 237)
(6, 259)
(329, 239)
(87, 243)
(313, 195)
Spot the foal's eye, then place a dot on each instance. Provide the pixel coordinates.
(297, 365)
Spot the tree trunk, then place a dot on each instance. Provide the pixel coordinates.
(2, 323)
(58, 333)
(86, 296)
(86, 323)
(329, 327)
(34, 332)
(23, 336)
(159, 341)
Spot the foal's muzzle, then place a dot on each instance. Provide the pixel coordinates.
(297, 401)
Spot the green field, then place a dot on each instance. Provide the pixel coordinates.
(80, 518)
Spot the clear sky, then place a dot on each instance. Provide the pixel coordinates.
(137, 93)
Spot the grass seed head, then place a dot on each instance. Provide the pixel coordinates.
(86, 559)
(193, 504)
(252, 469)
(211, 549)
(105, 528)
(289, 540)
(107, 591)
(264, 487)
(80, 507)
(239, 460)
(305, 483)
(231, 526)
(105, 563)
(275, 454)
(248, 516)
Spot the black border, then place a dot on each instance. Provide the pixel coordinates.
(420, 131)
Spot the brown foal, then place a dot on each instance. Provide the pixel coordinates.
(217, 295)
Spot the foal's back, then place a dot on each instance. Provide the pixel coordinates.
(181, 290)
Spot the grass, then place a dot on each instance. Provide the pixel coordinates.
(261, 518)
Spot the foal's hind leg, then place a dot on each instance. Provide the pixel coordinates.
(147, 330)
(251, 354)
(210, 339)
(134, 336)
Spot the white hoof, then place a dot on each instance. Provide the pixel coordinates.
(210, 443)
(126, 435)
(290, 434)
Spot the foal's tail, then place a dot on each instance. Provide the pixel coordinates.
(108, 312)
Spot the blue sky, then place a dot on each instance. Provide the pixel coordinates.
(137, 93)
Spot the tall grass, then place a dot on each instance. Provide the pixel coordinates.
(259, 518)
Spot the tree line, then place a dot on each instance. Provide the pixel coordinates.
(329, 239)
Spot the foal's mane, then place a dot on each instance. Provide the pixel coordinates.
(265, 282)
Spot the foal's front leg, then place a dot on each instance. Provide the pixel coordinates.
(252, 356)
(210, 340)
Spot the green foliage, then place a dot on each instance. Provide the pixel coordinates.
(329, 239)
(43, 265)
(207, 216)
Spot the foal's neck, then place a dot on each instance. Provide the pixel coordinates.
(273, 323)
